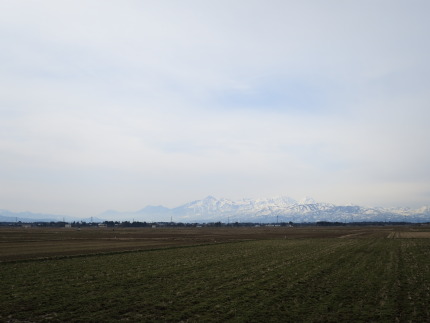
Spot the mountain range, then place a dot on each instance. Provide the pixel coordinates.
(264, 210)
(269, 210)
(29, 217)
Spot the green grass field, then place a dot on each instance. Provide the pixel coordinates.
(370, 275)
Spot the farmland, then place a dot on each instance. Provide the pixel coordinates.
(309, 274)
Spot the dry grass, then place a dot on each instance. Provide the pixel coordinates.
(412, 235)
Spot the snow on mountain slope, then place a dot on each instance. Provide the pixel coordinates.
(276, 209)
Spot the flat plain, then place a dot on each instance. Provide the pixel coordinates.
(255, 274)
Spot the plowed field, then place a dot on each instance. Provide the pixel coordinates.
(217, 276)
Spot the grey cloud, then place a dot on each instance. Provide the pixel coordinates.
(250, 98)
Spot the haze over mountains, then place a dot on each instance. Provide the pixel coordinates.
(269, 210)
(264, 210)
(9, 216)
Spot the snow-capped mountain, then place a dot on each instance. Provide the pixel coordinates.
(269, 210)
(262, 210)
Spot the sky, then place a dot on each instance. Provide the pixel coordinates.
(123, 104)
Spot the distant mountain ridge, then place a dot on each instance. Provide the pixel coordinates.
(270, 210)
(29, 217)
(264, 210)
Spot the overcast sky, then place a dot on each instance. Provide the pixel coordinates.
(121, 104)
